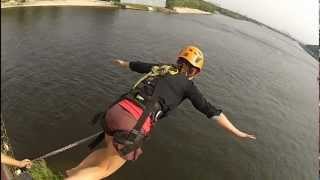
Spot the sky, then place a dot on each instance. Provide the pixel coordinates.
(298, 18)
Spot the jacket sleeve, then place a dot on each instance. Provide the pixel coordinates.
(200, 103)
(140, 67)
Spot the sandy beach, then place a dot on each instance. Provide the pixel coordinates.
(184, 10)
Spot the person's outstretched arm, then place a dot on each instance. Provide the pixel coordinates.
(136, 66)
(223, 121)
(200, 103)
(13, 162)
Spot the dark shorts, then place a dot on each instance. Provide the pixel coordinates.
(117, 118)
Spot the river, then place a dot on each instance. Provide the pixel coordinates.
(56, 73)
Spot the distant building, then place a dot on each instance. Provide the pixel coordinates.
(158, 3)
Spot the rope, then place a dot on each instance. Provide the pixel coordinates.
(77, 143)
(156, 71)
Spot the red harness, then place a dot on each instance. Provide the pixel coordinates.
(136, 111)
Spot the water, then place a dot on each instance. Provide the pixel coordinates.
(56, 73)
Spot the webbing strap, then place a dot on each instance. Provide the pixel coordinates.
(149, 108)
(136, 137)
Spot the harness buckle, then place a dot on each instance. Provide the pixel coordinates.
(140, 98)
(135, 136)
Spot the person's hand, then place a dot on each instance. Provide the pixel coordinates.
(25, 163)
(121, 63)
(118, 62)
(244, 135)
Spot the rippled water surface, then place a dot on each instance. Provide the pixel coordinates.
(56, 73)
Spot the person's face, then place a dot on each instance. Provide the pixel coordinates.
(188, 69)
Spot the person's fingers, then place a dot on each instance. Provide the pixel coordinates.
(246, 136)
(26, 160)
(26, 163)
(251, 136)
(118, 62)
(28, 166)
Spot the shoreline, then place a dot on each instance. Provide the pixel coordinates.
(99, 3)
(171, 9)
(185, 10)
(93, 3)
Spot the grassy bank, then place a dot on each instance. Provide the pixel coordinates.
(40, 171)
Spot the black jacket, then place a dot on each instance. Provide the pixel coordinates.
(173, 89)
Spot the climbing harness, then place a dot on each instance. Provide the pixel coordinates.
(135, 138)
(150, 104)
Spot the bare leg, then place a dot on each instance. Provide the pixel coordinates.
(90, 160)
(99, 164)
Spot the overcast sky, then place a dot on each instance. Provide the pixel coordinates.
(299, 18)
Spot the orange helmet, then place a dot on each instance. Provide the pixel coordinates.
(193, 55)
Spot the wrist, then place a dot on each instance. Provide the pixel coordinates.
(20, 164)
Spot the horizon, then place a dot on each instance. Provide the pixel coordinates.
(306, 30)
